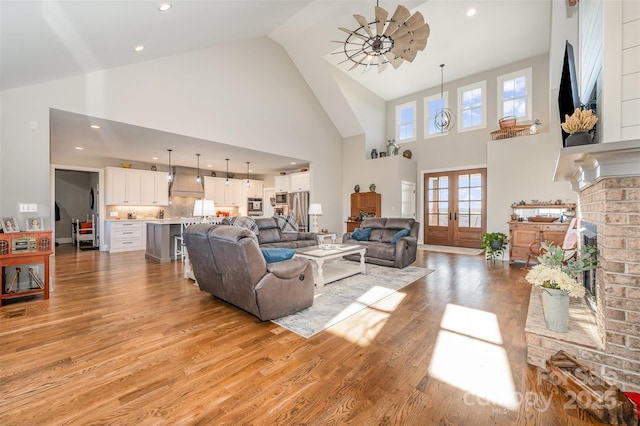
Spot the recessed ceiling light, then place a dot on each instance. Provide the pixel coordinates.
(164, 7)
(94, 126)
(79, 148)
(139, 48)
(154, 158)
(293, 162)
(209, 165)
(471, 12)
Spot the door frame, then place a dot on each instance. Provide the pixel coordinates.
(420, 189)
(100, 197)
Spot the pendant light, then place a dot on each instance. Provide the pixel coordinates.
(226, 182)
(444, 119)
(170, 176)
(248, 183)
(198, 178)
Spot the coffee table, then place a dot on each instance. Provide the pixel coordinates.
(326, 272)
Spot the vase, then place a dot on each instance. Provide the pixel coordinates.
(579, 138)
(555, 305)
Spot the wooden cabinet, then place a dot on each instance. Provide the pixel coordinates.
(283, 183)
(28, 250)
(125, 236)
(136, 187)
(521, 234)
(369, 202)
(299, 182)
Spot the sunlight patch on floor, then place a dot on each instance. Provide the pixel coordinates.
(468, 355)
(370, 320)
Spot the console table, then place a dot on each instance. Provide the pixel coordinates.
(24, 248)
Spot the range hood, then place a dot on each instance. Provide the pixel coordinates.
(184, 183)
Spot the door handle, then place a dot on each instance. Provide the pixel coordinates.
(449, 215)
(455, 216)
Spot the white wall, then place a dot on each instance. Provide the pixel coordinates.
(216, 94)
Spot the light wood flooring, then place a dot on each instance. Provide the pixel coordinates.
(125, 341)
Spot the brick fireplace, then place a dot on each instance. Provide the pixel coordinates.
(607, 178)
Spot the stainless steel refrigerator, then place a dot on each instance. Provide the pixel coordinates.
(299, 208)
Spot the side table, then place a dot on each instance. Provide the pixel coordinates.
(322, 236)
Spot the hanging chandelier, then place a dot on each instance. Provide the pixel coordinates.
(385, 41)
(227, 182)
(170, 175)
(248, 182)
(443, 121)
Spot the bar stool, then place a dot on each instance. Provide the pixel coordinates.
(177, 247)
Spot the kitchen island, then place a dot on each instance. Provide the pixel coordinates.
(161, 239)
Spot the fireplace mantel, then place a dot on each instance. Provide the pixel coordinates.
(585, 164)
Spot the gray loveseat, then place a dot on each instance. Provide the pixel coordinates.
(228, 263)
(270, 235)
(380, 250)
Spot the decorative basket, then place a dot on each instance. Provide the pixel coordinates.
(505, 122)
(510, 132)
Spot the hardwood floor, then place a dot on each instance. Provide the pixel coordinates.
(126, 341)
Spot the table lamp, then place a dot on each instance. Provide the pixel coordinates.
(204, 208)
(315, 210)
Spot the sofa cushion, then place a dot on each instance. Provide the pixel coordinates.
(243, 222)
(361, 234)
(273, 255)
(401, 233)
(287, 223)
(381, 251)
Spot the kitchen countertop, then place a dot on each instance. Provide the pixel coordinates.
(167, 221)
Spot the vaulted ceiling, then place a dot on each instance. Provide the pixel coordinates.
(47, 40)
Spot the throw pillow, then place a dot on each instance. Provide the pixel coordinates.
(364, 215)
(273, 255)
(401, 233)
(361, 234)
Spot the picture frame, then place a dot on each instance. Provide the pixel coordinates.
(9, 224)
(34, 223)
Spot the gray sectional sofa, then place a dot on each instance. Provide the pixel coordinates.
(270, 235)
(380, 249)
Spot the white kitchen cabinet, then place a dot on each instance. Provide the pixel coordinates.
(155, 189)
(125, 236)
(300, 182)
(215, 189)
(123, 186)
(282, 183)
(254, 190)
(136, 187)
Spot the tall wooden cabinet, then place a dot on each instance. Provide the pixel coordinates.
(369, 202)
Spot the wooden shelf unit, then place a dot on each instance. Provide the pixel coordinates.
(38, 254)
(370, 202)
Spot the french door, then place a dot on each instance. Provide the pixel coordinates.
(455, 207)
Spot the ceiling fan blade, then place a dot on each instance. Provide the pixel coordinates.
(415, 21)
(381, 19)
(394, 60)
(365, 24)
(382, 64)
(406, 54)
(422, 32)
(399, 16)
(358, 63)
(419, 44)
(353, 33)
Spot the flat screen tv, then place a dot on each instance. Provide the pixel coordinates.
(568, 96)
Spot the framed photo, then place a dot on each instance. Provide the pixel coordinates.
(35, 224)
(10, 224)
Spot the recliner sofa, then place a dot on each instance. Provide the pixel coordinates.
(380, 249)
(270, 235)
(227, 262)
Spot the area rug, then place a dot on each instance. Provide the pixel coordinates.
(339, 300)
(450, 249)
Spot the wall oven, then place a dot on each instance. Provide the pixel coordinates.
(254, 206)
(282, 198)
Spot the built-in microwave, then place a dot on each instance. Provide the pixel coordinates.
(254, 206)
(282, 198)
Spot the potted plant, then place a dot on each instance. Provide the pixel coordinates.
(578, 126)
(556, 274)
(494, 244)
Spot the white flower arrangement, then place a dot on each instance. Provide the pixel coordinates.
(556, 273)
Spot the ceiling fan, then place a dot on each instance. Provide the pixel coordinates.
(385, 41)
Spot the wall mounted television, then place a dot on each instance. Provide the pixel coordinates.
(568, 95)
